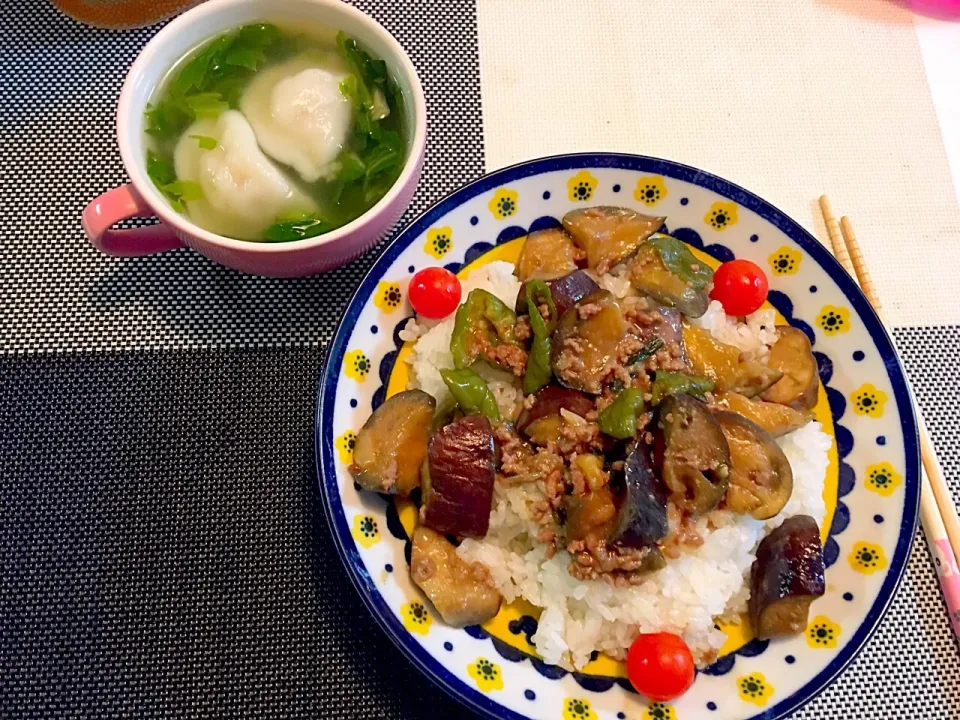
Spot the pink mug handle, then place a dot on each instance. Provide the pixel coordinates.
(123, 203)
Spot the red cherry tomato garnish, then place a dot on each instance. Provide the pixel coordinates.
(435, 292)
(740, 286)
(660, 666)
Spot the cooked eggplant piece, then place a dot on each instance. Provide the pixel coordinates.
(545, 430)
(609, 234)
(667, 271)
(546, 254)
(458, 484)
(775, 419)
(592, 514)
(541, 422)
(650, 348)
(761, 479)
(566, 291)
(589, 340)
(663, 322)
(695, 458)
(800, 384)
(461, 591)
(392, 444)
(725, 364)
(642, 516)
(786, 577)
(549, 400)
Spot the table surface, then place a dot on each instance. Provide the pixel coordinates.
(163, 552)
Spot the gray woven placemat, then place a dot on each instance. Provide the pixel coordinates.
(60, 82)
(162, 548)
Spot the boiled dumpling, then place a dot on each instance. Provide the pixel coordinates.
(299, 114)
(243, 191)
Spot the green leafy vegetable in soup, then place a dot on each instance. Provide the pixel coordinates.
(276, 134)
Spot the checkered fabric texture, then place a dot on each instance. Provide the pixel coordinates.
(163, 551)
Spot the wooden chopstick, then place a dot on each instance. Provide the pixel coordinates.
(937, 511)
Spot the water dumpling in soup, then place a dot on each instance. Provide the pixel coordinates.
(299, 114)
(243, 191)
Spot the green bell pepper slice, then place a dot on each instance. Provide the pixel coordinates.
(666, 384)
(482, 319)
(680, 261)
(539, 371)
(471, 392)
(619, 418)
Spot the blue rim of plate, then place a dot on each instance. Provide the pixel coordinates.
(326, 394)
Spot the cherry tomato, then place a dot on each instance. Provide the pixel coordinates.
(660, 666)
(740, 286)
(435, 292)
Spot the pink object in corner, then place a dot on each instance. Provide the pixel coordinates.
(142, 199)
(949, 574)
(941, 9)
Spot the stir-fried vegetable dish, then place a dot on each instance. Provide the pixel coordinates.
(635, 420)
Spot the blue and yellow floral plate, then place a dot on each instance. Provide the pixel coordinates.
(871, 489)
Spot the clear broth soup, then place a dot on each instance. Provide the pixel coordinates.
(271, 134)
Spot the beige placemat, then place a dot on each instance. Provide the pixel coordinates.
(788, 98)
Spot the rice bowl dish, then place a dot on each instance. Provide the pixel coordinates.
(580, 617)
(652, 469)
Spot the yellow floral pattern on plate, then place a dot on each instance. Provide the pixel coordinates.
(365, 531)
(650, 190)
(581, 186)
(503, 204)
(416, 618)
(388, 296)
(785, 261)
(356, 365)
(439, 241)
(868, 401)
(833, 320)
(721, 215)
(345, 444)
(883, 479)
(754, 688)
(578, 709)
(867, 558)
(659, 711)
(822, 632)
(486, 674)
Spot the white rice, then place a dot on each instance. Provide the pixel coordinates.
(753, 336)
(684, 598)
(617, 282)
(691, 591)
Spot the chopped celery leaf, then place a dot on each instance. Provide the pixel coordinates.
(306, 227)
(185, 190)
(205, 141)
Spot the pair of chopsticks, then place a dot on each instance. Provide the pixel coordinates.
(937, 512)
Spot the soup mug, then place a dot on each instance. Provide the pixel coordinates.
(141, 198)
